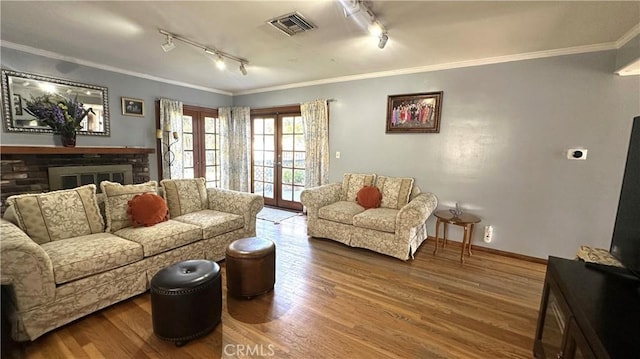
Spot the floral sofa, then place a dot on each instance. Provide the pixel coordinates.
(397, 228)
(59, 262)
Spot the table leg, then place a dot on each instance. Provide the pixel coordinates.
(464, 242)
(435, 251)
(472, 226)
(444, 242)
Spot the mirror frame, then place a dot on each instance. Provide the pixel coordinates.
(8, 114)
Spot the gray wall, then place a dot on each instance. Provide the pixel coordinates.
(125, 130)
(502, 143)
(628, 53)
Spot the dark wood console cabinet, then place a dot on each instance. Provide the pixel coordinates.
(587, 313)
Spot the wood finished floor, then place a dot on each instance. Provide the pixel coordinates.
(333, 301)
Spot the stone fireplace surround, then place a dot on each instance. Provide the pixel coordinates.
(24, 169)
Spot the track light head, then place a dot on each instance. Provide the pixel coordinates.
(243, 69)
(168, 45)
(220, 63)
(383, 40)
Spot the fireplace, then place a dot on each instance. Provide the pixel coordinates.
(26, 169)
(74, 176)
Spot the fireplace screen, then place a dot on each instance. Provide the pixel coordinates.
(74, 176)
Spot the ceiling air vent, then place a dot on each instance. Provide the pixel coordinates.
(292, 24)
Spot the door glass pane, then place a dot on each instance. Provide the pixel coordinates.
(299, 160)
(269, 143)
(268, 190)
(258, 173)
(258, 158)
(210, 124)
(299, 128)
(299, 143)
(211, 173)
(258, 187)
(188, 158)
(269, 158)
(287, 192)
(258, 143)
(187, 141)
(188, 173)
(287, 175)
(187, 124)
(298, 177)
(287, 142)
(210, 141)
(269, 126)
(258, 126)
(287, 159)
(210, 157)
(287, 125)
(268, 174)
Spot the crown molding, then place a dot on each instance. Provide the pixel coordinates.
(628, 36)
(57, 56)
(438, 67)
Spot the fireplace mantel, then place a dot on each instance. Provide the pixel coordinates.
(50, 150)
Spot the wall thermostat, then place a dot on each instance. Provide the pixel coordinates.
(577, 154)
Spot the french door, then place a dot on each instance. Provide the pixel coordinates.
(201, 144)
(278, 156)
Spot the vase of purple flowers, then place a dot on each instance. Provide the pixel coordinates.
(63, 115)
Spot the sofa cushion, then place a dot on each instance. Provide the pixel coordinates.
(147, 209)
(353, 182)
(369, 197)
(185, 195)
(341, 211)
(379, 219)
(213, 223)
(116, 201)
(162, 237)
(57, 215)
(79, 257)
(395, 191)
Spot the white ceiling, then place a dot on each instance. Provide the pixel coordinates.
(423, 35)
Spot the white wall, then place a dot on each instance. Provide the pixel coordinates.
(501, 147)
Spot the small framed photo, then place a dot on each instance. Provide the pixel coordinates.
(418, 112)
(17, 104)
(132, 107)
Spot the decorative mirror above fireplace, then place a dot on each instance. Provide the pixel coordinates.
(18, 87)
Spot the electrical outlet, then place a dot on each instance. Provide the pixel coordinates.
(337, 154)
(488, 234)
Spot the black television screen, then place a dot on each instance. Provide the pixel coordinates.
(625, 244)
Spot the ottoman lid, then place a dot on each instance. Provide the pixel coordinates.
(185, 275)
(252, 247)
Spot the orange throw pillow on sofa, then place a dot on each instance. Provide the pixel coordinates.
(147, 209)
(369, 197)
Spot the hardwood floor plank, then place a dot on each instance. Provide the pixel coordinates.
(334, 301)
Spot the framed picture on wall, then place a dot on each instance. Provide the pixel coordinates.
(419, 112)
(132, 107)
(17, 104)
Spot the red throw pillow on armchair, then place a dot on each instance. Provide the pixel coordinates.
(147, 209)
(369, 197)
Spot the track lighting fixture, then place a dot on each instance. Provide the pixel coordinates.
(360, 12)
(168, 45)
(220, 55)
(383, 41)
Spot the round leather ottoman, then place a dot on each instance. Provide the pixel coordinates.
(251, 266)
(186, 300)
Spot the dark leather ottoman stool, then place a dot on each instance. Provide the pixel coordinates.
(186, 300)
(251, 267)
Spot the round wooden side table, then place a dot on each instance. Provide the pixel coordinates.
(465, 220)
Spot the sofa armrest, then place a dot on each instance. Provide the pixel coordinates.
(242, 203)
(317, 197)
(417, 211)
(26, 267)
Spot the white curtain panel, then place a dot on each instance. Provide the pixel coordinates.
(171, 121)
(315, 118)
(235, 148)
